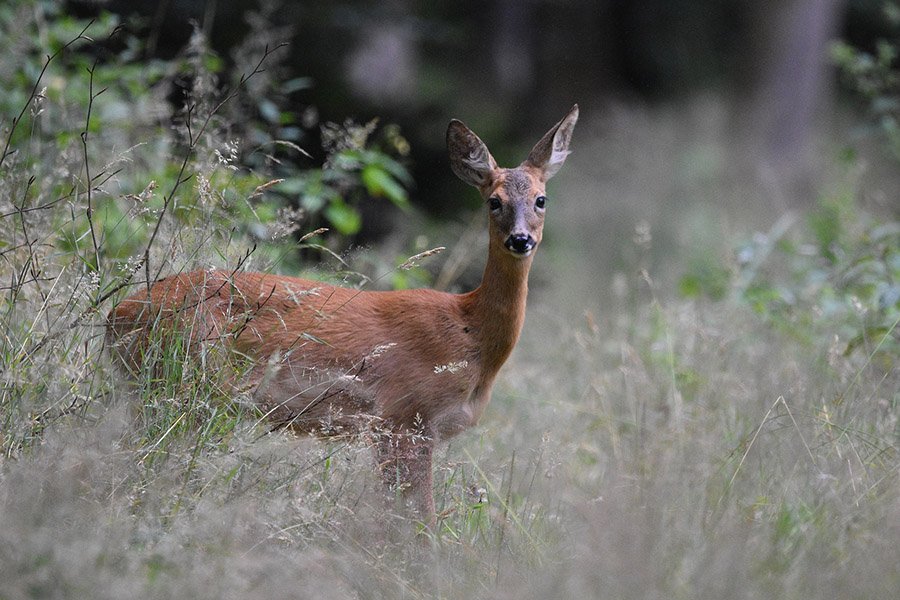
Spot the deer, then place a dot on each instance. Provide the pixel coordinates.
(410, 367)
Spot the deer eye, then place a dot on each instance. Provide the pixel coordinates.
(540, 201)
(494, 203)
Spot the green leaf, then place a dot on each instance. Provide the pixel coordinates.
(869, 334)
(705, 277)
(689, 286)
(213, 63)
(761, 296)
(269, 111)
(297, 84)
(292, 186)
(344, 218)
(379, 182)
(312, 202)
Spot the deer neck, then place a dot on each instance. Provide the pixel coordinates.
(497, 306)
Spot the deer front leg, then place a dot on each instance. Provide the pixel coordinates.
(405, 461)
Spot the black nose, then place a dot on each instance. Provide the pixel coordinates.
(521, 243)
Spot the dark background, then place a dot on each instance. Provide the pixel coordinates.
(504, 66)
(699, 119)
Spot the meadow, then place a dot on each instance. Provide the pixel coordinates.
(704, 402)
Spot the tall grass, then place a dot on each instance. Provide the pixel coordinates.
(662, 446)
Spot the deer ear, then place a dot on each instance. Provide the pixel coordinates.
(549, 154)
(469, 157)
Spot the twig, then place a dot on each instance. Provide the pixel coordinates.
(87, 165)
(181, 179)
(193, 140)
(6, 151)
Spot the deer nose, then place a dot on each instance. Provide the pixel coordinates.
(520, 243)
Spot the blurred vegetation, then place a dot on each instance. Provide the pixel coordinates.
(246, 177)
(875, 74)
(834, 272)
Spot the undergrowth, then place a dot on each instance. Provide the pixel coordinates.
(737, 440)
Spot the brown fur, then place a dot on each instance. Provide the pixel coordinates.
(419, 364)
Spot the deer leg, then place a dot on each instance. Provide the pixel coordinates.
(405, 462)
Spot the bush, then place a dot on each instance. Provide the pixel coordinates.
(830, 279)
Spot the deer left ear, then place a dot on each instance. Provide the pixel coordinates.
(549, 154)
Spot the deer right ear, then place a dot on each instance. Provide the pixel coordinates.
(469, 157)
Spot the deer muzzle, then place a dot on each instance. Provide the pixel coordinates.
(520, 243)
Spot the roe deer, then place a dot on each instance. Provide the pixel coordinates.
(420, 363)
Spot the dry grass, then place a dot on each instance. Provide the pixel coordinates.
(590, 476)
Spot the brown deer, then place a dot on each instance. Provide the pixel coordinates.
(412, 366)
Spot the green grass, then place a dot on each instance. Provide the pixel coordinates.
(641, 442)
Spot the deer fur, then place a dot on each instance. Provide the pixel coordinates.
(417, 366)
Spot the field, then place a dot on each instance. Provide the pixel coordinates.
(704, 402)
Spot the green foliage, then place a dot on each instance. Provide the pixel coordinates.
(186, 401)
(355, 171)
(99, 190)
(836, 274)
(848, 279)
(705, 277)
(109, 113)
(876, 76)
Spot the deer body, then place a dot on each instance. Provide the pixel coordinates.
(419, 364)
